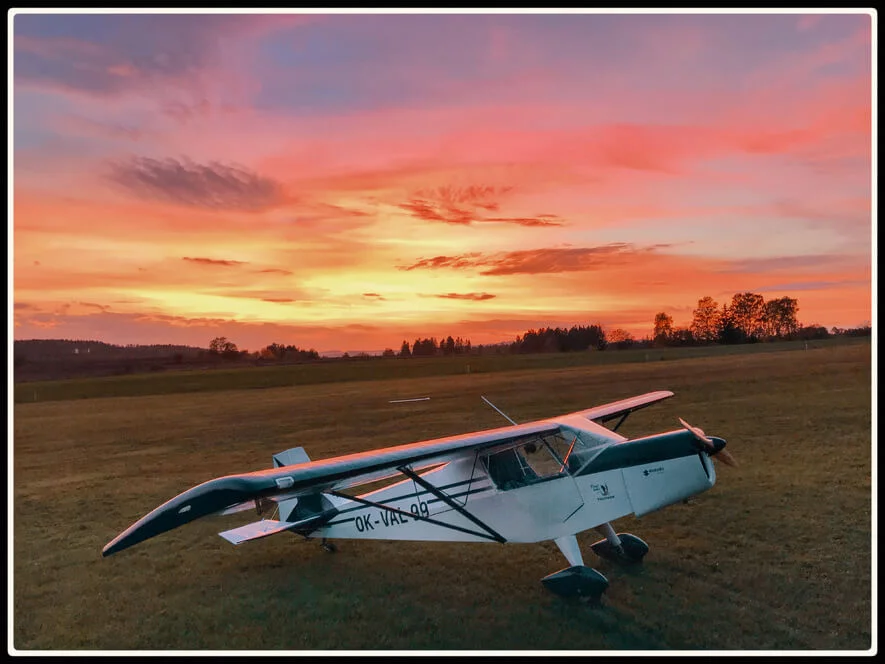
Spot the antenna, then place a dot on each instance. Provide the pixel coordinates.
(499, 410)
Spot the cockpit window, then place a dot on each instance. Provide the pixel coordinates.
(537, 459)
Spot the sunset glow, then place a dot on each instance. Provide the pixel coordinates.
(350, 181)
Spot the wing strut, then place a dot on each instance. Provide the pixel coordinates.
(412, 515)
(448, 501)
(621, 421)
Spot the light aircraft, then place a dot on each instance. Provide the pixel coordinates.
(544, 480)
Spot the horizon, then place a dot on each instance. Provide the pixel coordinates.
(334, 180)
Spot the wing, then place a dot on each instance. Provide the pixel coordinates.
(622, 408)
(311, 479)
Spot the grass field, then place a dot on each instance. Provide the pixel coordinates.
(776, 556)
(334, 371)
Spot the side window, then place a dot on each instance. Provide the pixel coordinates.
(535, 460)
(566, 445)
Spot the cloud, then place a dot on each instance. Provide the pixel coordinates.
(213, 186)
(85, 126)
(476, 297)
(92, 305)
(467, 205)
(540, 261)
(214, 261)
(184, 113)
(457, 262)
(276, 296)
(374, 296)
(791, 263)
(812, 285)
(275, 270)
(107, 54)
(538, 220)
(851, 213)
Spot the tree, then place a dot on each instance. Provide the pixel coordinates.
(620, 339)
(748, 310)
(388, 352)
(404, 350)
(729, 332)
(424, 347)
(448, 346)
(810, 332)
(779, 317)
(217, 344)
(682, 336)
(221, 346)
(706, 320)
(663, 329)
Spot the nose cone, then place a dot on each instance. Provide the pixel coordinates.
(721, 453)
(718, 444)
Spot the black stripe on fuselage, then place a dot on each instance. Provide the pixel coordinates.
(422, 492)
(660, 447)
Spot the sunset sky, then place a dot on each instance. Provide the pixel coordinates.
(350, 181)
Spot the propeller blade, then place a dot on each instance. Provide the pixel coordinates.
(721, 454)
(726, 458)
(698, 433)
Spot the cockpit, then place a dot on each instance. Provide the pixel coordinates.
(536, 458)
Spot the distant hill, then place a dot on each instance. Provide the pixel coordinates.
(54, 359)
(36, 350)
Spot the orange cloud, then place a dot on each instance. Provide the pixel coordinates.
(214, 261)
(474, 297)
(540, 261)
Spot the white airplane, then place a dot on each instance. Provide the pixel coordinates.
(543, 480)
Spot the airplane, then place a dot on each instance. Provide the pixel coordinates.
(544, 480)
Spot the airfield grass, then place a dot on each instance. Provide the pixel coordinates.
(777, 556)
(236, 377)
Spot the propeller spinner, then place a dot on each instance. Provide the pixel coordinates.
(713, 447)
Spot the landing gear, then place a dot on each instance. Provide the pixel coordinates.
(328, 546)
(577, 580)
(619, 547)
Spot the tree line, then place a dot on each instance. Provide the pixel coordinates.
(746, 318)
(223, 347)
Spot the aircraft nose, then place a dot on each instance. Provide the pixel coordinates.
(719, 446)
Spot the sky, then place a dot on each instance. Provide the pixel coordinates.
(349, 181)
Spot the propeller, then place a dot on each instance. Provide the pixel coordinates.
(713, 447)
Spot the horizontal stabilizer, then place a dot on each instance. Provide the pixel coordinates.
(290, 457)
(255, 530)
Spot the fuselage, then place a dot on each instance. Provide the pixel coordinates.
(592, 476)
